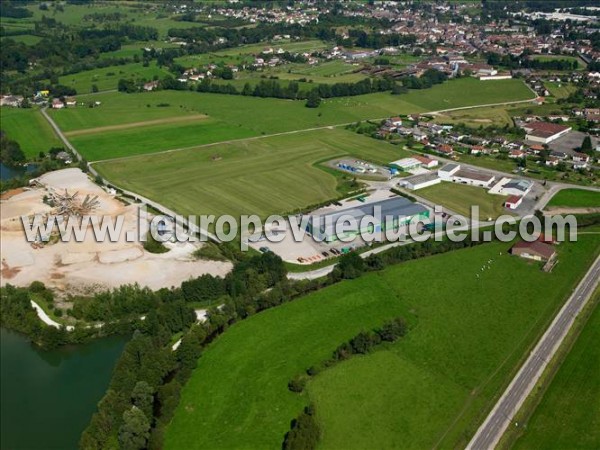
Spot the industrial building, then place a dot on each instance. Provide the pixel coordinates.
(544, 132)
(519, 188)
(406, 164)
(456, 174)
(398, 209)
(421, 181)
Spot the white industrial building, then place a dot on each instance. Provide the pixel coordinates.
(456, 174)
(421, 181)
(406, 164)
(544, 132)
(507, 186)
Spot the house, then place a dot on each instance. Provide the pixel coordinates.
(150, 86)
(427, 162)
(581, 158)
(513, 202)
(70, 101)
(57, 104)
(396, 121)
(544, 132)
(11, 100)
(552, 161)
(445, 149)
(477, 149)
(536, 250)
(536, 149)
(515, 154)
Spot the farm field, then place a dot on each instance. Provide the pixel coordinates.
(565, 418)
(247, 116)
(107, 78)
(575, 198)
(262, 176)
(438, 381)
(477, 117)
(460, 197)
(28, 127)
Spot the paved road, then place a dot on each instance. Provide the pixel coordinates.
(501, 417)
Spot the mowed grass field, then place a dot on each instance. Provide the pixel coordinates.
(251, 116)
(575, 198)
(477, 117)
(568, 415)
(28, 127)
(262, 176)
(431, 388)
(460, 197)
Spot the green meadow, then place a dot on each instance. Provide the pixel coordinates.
(28, 127)
(459, 198)
(248, 116)
(262, 176)
(566, 416)
(575, 198)
(430, 389)
(107, 78)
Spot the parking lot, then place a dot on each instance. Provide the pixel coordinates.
(570, 141)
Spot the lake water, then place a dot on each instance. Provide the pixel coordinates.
(48, 397)
(6, 173)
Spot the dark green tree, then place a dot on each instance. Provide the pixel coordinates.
(135, 431)
(313, 100)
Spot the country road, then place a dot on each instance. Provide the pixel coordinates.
(501, 417)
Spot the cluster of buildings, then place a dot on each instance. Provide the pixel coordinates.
(514, 189)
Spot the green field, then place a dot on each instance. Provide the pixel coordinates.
(459, 198)
(560, 90)
(248, 116)
(477, 117)
(432, 388)
(263, 176)
(582, 64)
(575, 198)
(28, 127)
(108, 78)
(566, 416)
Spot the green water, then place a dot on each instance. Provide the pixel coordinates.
(48, 397)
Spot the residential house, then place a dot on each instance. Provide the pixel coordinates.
(536, 250)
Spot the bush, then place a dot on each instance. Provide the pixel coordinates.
(37, 286)
(297, 383)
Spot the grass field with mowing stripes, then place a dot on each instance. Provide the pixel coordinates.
(28, 127)
(263, 176)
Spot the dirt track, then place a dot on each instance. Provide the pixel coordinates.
(126, 126)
